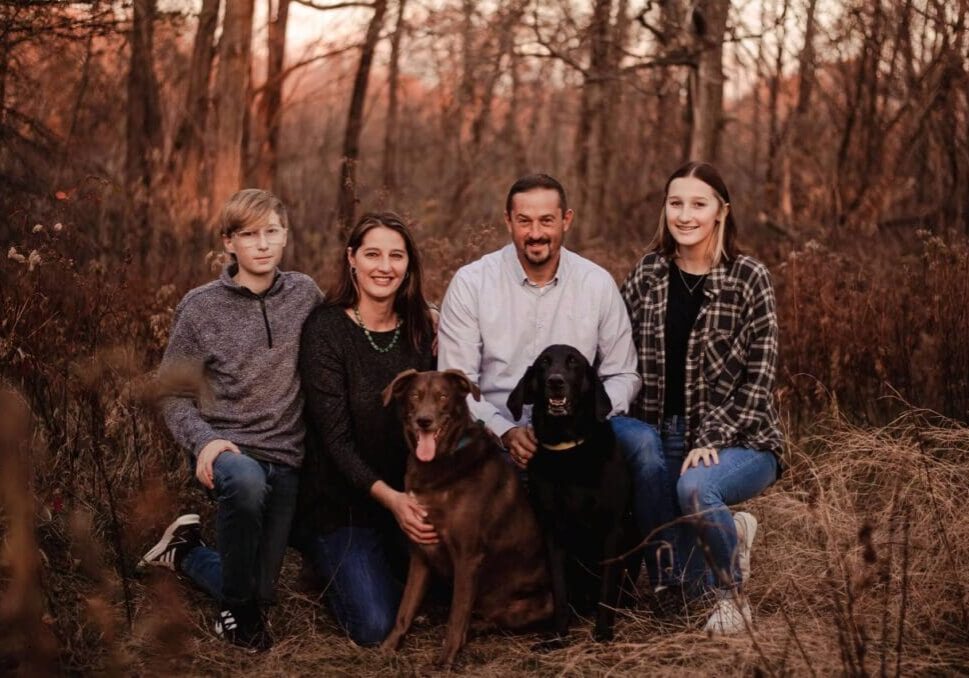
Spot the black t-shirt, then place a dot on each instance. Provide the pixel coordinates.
(682, 309)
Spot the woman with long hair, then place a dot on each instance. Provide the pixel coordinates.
(353, 514)
(705, 328)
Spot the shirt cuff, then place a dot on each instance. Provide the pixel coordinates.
(499, 425)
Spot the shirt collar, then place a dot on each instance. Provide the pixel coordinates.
(514, 266)
(232, 267)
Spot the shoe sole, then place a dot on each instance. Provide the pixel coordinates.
(750, 531)
(159, 548)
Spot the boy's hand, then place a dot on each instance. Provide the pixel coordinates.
(206, 458)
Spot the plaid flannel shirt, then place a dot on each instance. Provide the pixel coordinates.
(731, 357)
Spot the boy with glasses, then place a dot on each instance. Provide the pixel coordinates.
(245, 437)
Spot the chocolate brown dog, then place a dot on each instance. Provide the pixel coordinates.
(579, 485)
(489, 540)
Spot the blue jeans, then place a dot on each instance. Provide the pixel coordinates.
(675, 554)
(256, 502)
(362, 588)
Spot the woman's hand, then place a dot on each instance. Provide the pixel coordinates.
(698, 454)
(412, 518)
(410, 515)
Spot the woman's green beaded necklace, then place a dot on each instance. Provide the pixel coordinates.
(393, 342)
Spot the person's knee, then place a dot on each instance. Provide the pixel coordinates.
(641, 446)
(374, 627)
(695, 493)
(243, 484)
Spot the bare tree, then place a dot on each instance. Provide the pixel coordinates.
(144, 131)
(393, 84)
(270, 103)
(709, 24)
(347, 189)
(590, 109)
(187, 155)
(231, 99)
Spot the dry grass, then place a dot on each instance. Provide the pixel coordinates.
(857, 569)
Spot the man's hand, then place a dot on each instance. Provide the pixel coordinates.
(206, 458)
(698, 454)
(521, 444)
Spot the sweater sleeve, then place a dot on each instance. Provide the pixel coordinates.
(743, 415)
(324, 379)
(182, 375)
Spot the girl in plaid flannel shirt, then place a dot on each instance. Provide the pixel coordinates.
(705, 329)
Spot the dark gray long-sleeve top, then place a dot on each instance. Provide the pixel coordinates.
(246, 346)
(353, 439)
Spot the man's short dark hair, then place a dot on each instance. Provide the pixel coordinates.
(530, 182)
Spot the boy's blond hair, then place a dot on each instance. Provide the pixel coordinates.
(250, 208)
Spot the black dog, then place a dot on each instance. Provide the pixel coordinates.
(579, 485)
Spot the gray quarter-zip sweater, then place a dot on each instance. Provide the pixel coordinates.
(246, 346)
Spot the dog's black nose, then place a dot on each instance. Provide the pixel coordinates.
(424, 422)
(556, 382)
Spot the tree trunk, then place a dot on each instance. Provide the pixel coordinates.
(270, 104)
(773, 114)
(511, 131)
(604, 203)
(231, 100)
(590, 109)
(144, 132)
(709, 26)
(187, 156)
(393, 83)
(347, 190)
(481, 110)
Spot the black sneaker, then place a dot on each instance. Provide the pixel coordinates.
(243, 626)
(183, 535)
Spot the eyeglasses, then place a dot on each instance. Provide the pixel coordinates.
(274, 235)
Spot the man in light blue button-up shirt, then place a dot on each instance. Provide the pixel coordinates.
(501, 311)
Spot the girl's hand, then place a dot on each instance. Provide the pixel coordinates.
(698, 454)
(412, 518)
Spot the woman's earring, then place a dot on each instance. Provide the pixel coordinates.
(353, 271)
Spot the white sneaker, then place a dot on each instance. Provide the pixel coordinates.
(746, 526)
(730, 615)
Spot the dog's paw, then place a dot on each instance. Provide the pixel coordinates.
(388, 648)
(551, 644)
(603, 634)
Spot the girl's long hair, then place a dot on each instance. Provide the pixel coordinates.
(409, 303)
(725, 243)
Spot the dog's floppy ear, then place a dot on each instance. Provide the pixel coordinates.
(601, 404)
(398, 385)
(464, 384)
(524, 393)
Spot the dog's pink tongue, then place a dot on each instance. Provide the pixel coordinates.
(426, 445)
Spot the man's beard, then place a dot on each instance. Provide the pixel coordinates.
(542, 258)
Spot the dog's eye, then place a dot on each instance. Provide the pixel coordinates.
(570, 360)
